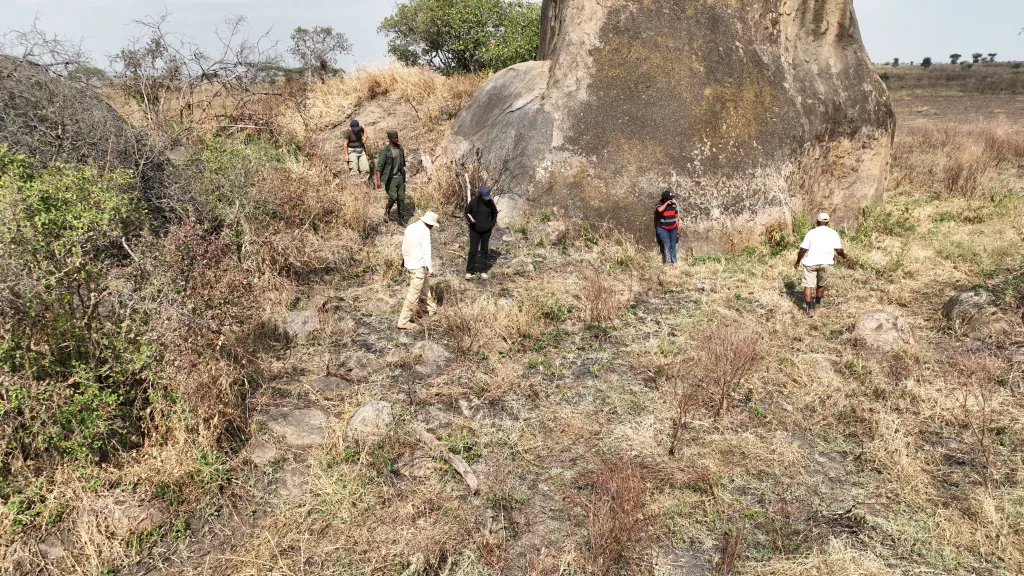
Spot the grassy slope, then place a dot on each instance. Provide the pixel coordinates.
(829, 458)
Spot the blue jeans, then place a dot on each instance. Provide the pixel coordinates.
(668, 239)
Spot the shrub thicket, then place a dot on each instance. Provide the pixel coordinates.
(61, 234)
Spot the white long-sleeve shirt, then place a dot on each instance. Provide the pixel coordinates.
(416, 247)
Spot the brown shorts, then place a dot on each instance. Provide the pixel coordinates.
(817, 276)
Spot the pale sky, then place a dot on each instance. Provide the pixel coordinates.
(909, 29)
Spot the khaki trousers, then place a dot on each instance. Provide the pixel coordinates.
(358, 163)
(419, 287)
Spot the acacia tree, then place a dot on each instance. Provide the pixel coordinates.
(895, 62)
(463, 36)
(955, 58)
(318, 49)
(992, 56)
(926, 63)
(977, 56)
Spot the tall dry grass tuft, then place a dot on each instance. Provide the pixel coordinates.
(617, 510)
(723, 356)
(603, 297)
(433, 98)
(976, 377)
(955, 160)
(478, 322)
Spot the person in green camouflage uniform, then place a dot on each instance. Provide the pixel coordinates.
(391, 175)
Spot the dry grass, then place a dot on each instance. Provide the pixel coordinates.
(723, 356)
(957, 161)
(923, 453)
(616, 513)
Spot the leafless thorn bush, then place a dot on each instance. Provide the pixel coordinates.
(180, 86)
(60, 56)
(730, 551)
(976, 377)
(617, 510)
(723, 356)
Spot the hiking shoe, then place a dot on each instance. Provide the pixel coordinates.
(483, 276)
(469, 276)
(407, 326)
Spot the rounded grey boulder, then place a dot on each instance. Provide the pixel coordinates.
(752, 111)
(883, 330)
(370, 423)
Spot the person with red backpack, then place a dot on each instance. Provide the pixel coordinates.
(666, 225)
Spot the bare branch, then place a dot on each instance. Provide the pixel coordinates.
(57, 54)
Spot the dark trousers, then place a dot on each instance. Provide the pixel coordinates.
(479, 244)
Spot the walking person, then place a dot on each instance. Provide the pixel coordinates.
(390, 175)
(482, 215)
(818, 256)
(666, 225)
(355, 149)
(416, 255)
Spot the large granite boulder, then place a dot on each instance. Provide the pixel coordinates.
(753, 111)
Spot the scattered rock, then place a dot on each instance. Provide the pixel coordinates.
(329, 385)
(370, 423)
(293, 481)
(361, 365)
(51, 548)
(1017, 356)
(509, 237)
(132, 517)
(419, 163)
(973, 314)
(555, 233)
(301, 324)
(262, 452)
(429, 358)
(418, 465)
(521, 265)
(300, 428)
(883, 330)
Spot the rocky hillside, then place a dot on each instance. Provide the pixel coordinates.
(583, 411)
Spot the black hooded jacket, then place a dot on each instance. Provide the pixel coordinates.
(484, 212)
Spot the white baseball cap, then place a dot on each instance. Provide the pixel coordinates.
(823, 217)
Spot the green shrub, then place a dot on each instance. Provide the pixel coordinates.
(895, 221)
(74, 367)
(463, 36)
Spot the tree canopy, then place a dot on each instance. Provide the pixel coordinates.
(317, 49)
(454, 36)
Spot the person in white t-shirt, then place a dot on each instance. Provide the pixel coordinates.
(818, 256)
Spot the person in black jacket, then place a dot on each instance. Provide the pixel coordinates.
(482, 216)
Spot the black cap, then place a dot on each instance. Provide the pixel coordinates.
(667, 194)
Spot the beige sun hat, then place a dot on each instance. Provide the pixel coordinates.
(823, 217)
(429, 219)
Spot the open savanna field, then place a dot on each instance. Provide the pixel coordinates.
(619, 417)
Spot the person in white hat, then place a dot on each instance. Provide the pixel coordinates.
(417, 259)
(818, 256)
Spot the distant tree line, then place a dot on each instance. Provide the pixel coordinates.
(954, 59)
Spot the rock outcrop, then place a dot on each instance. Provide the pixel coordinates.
(974, 314)
(753, 111)
(883, 330)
